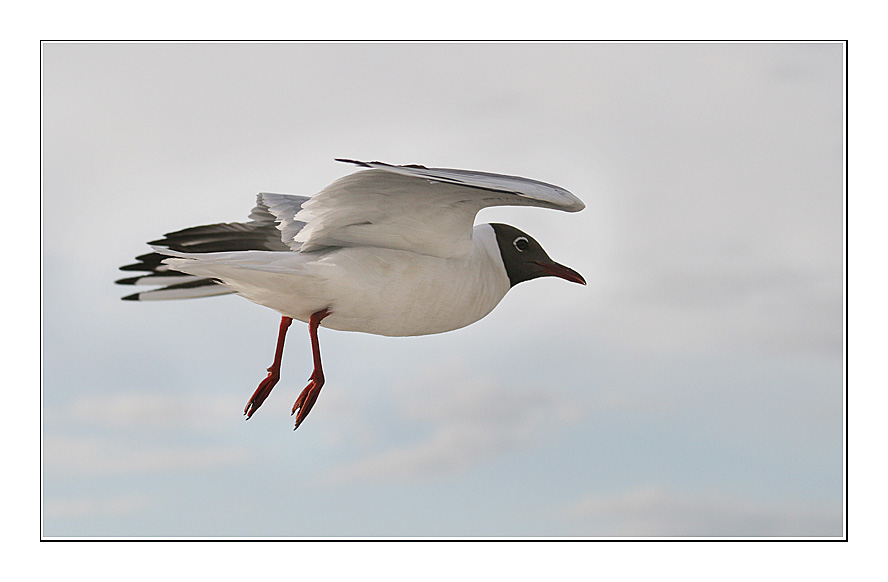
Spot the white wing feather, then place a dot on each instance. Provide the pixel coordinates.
(422, 210)
(284, 208)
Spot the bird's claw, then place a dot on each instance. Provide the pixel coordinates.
(261, 393)
(307, 398)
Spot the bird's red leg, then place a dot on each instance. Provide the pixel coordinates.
(310, 394)
(274, 372)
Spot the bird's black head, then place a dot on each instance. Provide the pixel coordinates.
(525, 259)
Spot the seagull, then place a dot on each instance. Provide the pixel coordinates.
(388, 250)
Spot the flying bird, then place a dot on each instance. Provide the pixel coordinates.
(388, 250)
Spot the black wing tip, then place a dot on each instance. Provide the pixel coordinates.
(133, 297)
(370, 164)
(147, 262)
(127, 281)
(356, 162)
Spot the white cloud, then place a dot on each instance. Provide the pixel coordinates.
(653, 511)
(95, 456)
(80, 507)
(141, 411)
(470, 418)
(118, 426)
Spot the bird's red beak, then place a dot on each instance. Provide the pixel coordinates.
(556, 270)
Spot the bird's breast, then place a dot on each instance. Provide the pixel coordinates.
(399, 293)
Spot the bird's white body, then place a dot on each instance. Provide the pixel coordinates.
(374, 290)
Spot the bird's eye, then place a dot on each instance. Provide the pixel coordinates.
(521, 244)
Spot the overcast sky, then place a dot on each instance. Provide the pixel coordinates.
(693, 388)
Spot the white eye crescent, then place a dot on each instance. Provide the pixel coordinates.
(521, 244)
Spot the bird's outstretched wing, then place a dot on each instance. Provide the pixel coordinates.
(414, 208)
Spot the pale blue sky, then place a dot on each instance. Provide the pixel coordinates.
(694, 387)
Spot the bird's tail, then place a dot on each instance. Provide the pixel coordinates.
(173, 284)
(261, 233)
